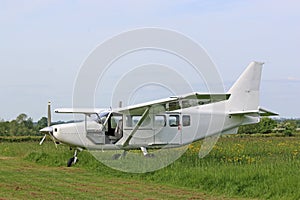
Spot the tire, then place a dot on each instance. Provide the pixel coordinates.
(70, 162)
(116, 156)
(150, 155)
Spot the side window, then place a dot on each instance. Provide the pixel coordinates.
(160, 121)
(173, 106)
(174, 120)
(132, 120)
(186, 120)
(136, 118)
(128, 121)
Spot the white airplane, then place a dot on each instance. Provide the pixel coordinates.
(172, 122)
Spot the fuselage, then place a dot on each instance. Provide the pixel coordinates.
(165, 129)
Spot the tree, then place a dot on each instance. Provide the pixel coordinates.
(22, 125)
(21, 118)
(43, 122)
(4, 128)
(13, 127)
(249, 129)
(267, 125)
(290, 127)
(28, 123)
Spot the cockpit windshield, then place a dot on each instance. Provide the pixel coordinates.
(92, 117)
(103, 115)
(99, 118)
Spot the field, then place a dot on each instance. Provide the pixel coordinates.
(238, 167)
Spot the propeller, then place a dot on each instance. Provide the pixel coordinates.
(41, 142)
(48, 130)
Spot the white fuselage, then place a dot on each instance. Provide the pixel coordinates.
(168, 129)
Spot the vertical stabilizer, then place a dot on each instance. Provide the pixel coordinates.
(245, 91)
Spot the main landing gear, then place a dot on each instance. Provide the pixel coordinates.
(119, 156)
(146, 154)
(74, 159)
(143, 149)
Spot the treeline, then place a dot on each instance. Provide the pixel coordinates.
(24, 126)
(287, 127)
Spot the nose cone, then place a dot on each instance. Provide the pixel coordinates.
(71, 134)
(47, 129)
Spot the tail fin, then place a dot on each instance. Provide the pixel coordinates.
(245, 91)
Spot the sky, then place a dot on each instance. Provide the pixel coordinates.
(44, 43)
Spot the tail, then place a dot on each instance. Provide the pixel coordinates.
(245, 91)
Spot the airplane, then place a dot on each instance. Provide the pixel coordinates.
(165, 123)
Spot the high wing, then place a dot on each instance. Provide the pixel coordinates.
(168, 104)
(80, 110)
(175, 102)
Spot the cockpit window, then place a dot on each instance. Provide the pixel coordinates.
(103, 116)
(99, 118)
(92, 117)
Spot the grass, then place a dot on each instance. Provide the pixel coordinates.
(266, 168)
(30, 171)
(237, 167)
(41, 182)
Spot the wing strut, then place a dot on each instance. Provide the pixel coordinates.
(146, 112)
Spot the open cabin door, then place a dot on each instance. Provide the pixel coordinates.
(104, 129)
(94, 129)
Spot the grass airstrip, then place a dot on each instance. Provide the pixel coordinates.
(240, 167)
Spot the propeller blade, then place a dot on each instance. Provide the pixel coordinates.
(48, 130)
(53, 139)
(41, 142)
(49, 113)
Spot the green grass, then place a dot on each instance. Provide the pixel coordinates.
(265, 168)
(30, 171)
(237, 167)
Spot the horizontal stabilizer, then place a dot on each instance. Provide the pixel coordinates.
(247, 112)
(260, 112)
(265, 112)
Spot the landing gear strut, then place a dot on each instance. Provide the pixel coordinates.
(146, 154)
(73, 160)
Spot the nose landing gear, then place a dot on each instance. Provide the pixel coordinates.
(74, 159)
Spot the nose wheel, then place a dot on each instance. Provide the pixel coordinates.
(73, 160)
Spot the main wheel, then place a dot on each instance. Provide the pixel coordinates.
(116, 156)
(150, 155)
